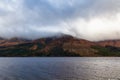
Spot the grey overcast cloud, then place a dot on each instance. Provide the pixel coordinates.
(92, 20)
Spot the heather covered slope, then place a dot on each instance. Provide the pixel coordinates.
(58, 47)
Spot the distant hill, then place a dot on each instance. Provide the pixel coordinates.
(58, 47)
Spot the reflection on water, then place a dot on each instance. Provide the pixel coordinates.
(59, 68)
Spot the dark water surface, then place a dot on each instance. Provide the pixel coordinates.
(60, 68)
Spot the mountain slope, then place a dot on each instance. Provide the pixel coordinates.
(62, 46)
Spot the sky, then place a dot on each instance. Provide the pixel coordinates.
(93, 20)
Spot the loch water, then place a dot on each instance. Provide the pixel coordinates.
(60, 68)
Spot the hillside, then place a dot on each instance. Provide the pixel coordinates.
(58, 47)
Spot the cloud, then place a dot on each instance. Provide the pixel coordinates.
(87, 19)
